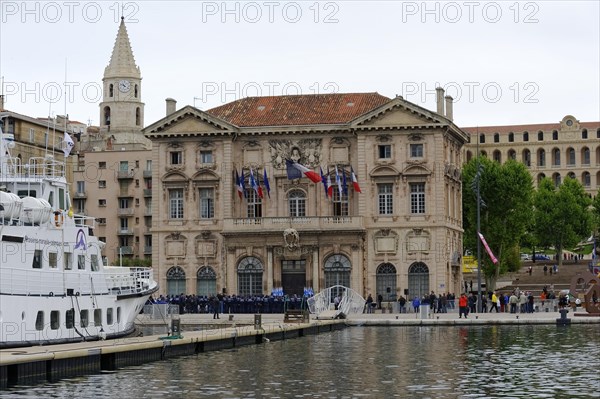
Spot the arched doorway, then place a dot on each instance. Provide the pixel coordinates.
(250, 276)
(386, 281)
(175, 281)
(418, 280)
(337, 272)
(206, 281)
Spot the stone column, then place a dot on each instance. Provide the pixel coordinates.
(269, 271)
(315, 269)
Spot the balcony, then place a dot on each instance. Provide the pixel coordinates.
(147, 174)
(147, 192)
(124, 232)
(125, 174)
(302, 224)
(126, 250)
(80, 195)
(125, 212)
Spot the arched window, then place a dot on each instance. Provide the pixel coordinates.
(175, 281)
(418, 280)
(554, 135)
(250, 276)
(540, 136)
(570, 156)
(526, 158)
(482, 138)
(496, 138)
(337, 272)
(571, 175)
(469, 155)
(297, 204)
(556, 179)
(586, 179)
(584, 134)
(541, 158)
(135, 91)
(585, 156)
(526, 136)
(138, 116)
(110, 90)
(106, 116)
(540, 177)
(206, 281)
(497, 156)
(386, 281)
(556, 157)
(511, 137)
(512, 154)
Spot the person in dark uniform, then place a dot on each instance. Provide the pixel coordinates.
(215, 306)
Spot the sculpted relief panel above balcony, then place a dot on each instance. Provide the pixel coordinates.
(307, 152)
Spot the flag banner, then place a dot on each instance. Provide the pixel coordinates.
(254, 185)
(238, 184)
(329, 185)
(266, 182)
(354, 181)
(69, 144)
(324, 181)
(243, 183)
(296, 171)
(344, 183)
(338, 181)
(487, 248)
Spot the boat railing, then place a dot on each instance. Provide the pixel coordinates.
(129, 280)
(37, 168)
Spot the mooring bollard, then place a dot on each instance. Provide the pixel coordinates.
(563, 321)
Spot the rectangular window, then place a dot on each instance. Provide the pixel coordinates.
(54, 319)
(70, 318)
(149, 165)
(84, 316)
(207, 204)
(37, 259)
(101, 202)
(176, 203)
(417, 198)
(340, 203)
(385, 198)
(81, 187)
(101, 221)
(254, 204)
(98, 317)
(416, 150)
(297, 203)
(39, 320)
(52, 260)
(94, 262)
(124, 223)
(124, 203)
(385, 151)
(124, 166)
(68, 263)
(109, 316)
(176, 157)
(81, 262)
(101, 183)
(32, 135)
(206, 157)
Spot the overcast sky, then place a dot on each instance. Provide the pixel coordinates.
(503, 62)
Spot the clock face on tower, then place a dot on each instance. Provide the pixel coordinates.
(124, 86)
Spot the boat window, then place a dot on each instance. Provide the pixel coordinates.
(109, 316)
(98, 317)
(84, 317)
(81, 262)
(54, 319)
(52, 259)
(39, 320)
(119, 315)
(26, 193)
(37, 259)
(68, 261)
(70, 318)
(61, 198)
(94, 259)
(51, 199)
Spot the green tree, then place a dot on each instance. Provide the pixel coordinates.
(506, 193)
(596, 212)
(562, 215)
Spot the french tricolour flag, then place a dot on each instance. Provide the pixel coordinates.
(355, 181)
(295, 171)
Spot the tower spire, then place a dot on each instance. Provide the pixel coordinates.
(122, 62)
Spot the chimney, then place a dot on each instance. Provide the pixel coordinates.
(440, 100)
(1, 102)
(449, 107)
(171, 105)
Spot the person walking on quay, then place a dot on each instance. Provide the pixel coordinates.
(416, 304)
(402, 303)
(494, 304)
(472, 303)
(513, 303)
(462, 306)
(369, 304)
(545, 270)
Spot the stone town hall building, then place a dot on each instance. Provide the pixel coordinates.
(401, 234)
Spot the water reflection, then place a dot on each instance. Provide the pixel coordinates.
(371, 362)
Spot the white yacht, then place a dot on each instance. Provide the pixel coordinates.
(54, 287)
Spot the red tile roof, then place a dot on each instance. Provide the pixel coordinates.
(306, 109)
(544, 127)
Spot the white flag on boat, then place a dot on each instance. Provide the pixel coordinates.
(68, 144)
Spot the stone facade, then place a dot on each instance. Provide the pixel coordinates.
(554, 150)
(401, 232)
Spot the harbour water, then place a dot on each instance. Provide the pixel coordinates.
(491, 361)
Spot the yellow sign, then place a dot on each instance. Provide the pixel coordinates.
(469, 264)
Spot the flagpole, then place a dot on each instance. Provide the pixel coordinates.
(478, 176)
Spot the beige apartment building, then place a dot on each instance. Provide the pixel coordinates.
(554, 150)
(400, 235)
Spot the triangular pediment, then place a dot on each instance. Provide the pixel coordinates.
(399, 113)
(189, 121)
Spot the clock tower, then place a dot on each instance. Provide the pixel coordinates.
(122, 109)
